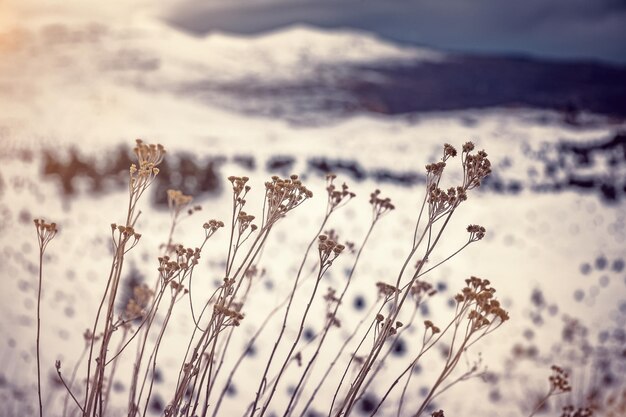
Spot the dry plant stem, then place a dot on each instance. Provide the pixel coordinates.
(112, 373)
(250, 260)
(396, 307)
(295, 343)
(132, 403)
(453, 359)
(335, 360)
(467, 375)
(154, 355)
(427, 344)
(154, 305)
(224, 349)
(106, 338)
(542, 402)
(45, 233)
(381, 362)
(39, 331)
(293, 359)
(245, 351)
(444, 374)
(93, 396)
(406, 385)
(187, 375)
(353, 356)
(66, 387)
(149, 156)
(324, 265)
(284, 324)
(330, 322)
(463, 377)
(74, 372)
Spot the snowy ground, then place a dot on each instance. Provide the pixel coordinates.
(94, 87)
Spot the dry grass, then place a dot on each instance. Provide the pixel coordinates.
(351, 367)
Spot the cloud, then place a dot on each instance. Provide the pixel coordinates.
(558, 28)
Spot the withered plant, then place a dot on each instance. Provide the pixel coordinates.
(207, 371)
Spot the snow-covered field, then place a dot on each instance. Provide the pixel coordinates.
(94, 87)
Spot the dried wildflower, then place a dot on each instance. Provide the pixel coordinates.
(283, 195)
(448, 151)
(434, 171)
(420, 289)
(476, 167)
(380, 206)
(331, 296)
(333, 320)
(233, 317)
(88, 336)
(148, 154)
(485, 310)
(328, 250)
(244, 220)
(45, 232)
(254, 271)
(476, 232)
(240, 189)
(570, 411)
(298, 358)
(148, 158)
(135, 308)
(336, 197)
(441, 201)
(430, 326)
(177, 287)
(177, 202)
(211, 227)
(559, 380)
(468, 147)
(385, 289)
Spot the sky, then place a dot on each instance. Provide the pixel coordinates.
(576, 29)
(570, 29)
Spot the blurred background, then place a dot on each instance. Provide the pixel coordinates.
(369, 90)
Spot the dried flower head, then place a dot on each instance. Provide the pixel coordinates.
(484, 310)
(337, 197)
(328, 249)
(476, 232)
(240, 188)
(233, 316)
(430, 326)
(45, 232)
(148, 154)
(476, 167)
(421, 289)
(177, 202)
(244, 220)
(139, 301)
(448, 151)
(380, 206)
(559, 380)
(570, 411)
(386, 290)
(283, 195)
(211, 227)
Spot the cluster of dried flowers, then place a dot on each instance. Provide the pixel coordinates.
(203, 380)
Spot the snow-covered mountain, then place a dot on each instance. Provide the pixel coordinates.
(298, 73)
